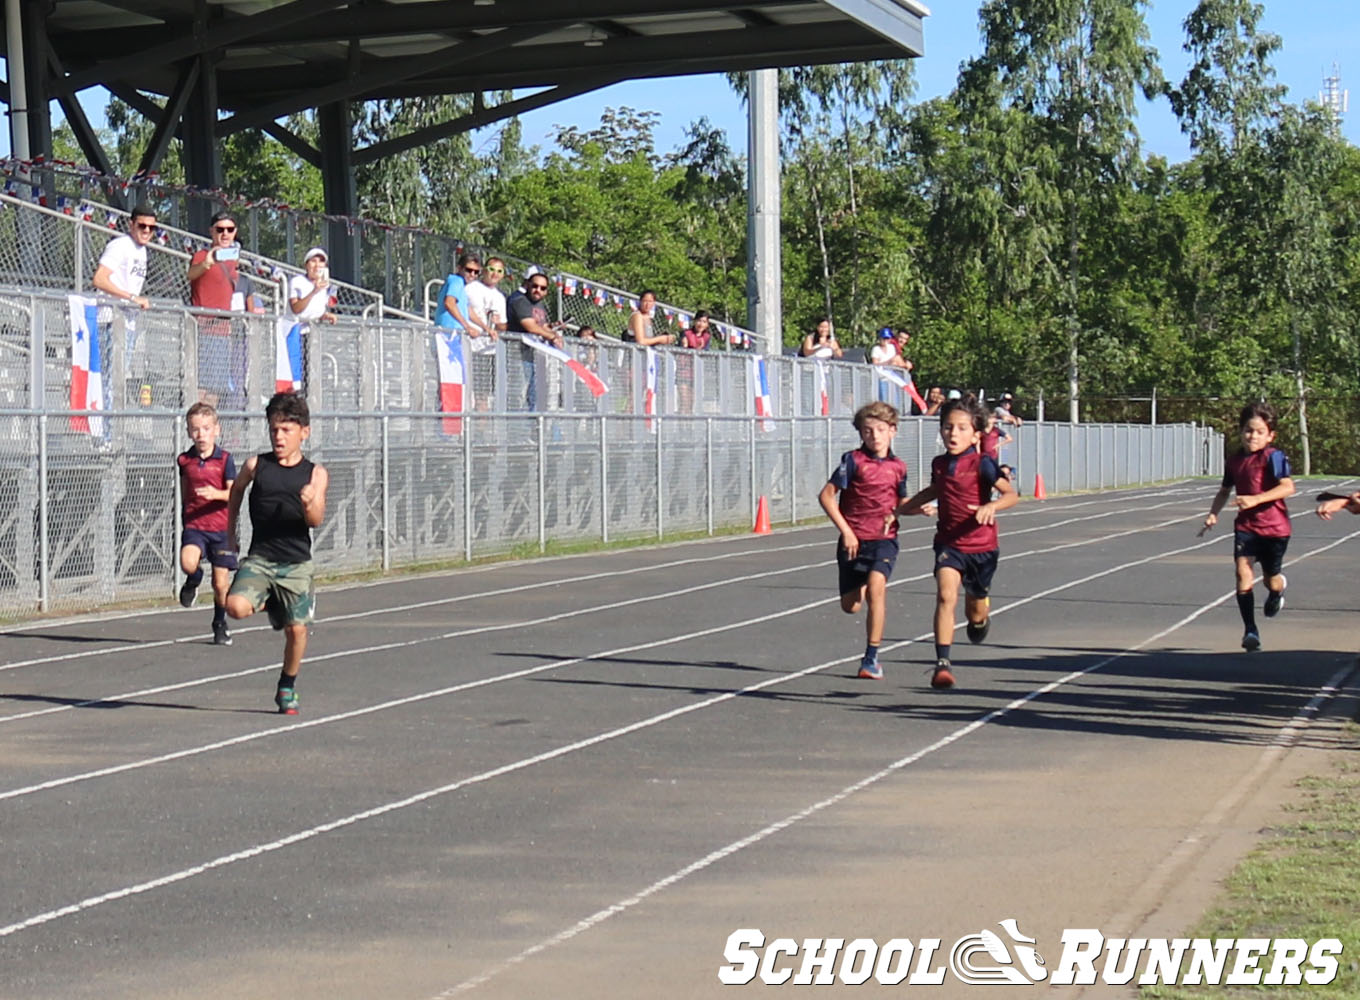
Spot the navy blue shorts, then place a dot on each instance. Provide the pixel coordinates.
(873, 556)
(1267, 550)
(213, 545)
(976, 568)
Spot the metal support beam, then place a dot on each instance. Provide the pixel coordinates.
(35, 54)
(85, 135)
(202, 158)
(170, 117)
(291, 140)
(203, 38)
(478, 119)
(386, 71)
(764, 306)
(337, 182)
(17, 68)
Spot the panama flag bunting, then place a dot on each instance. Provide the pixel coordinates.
(649, 400)
(823, 398)
(452, 378)
(288, 356)
(588, 377)
(760, 384)
(87, 373)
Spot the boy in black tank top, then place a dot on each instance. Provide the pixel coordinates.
(287, 502)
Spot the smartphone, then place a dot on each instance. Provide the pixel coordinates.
(323, 273)
(227, 253)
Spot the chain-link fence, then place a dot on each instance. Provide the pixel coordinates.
(92, 518)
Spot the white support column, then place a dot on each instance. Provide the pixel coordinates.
(764, 309)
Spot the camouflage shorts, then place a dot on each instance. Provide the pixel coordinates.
(290, 585)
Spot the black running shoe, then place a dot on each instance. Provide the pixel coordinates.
(275, 613)
(188, 594)
(221, 634)
(976, 633)
(1251, 642)
(1275, 599)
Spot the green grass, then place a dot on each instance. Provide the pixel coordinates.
(1301, 881)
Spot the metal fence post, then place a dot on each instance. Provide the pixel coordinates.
(43, 521)
(604, 481)
(467, 488)
(793, 470)
(542, 484)
(708, 469)
(386, 496)
(751, 424)
(660, 533)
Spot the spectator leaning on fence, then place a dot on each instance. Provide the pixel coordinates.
(213, 272)
(122, 266)
(821, 343)
(309, 294)
(486, 303)
(527, 316)
(640, 328)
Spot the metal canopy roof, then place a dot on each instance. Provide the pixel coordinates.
(272, 59)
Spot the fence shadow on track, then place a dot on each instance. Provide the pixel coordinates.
(105, 704)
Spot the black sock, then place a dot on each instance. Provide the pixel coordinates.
(219, 612)
(196, 577)
(942, 650)
(871, 651)
(1246, 603)
(285, 681)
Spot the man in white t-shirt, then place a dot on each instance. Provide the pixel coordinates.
(486, 303)
(309, 294)
(122, 266)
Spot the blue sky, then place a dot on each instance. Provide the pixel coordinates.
(1316, 35)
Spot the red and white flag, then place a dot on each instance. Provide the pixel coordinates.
(452, 377)
(760, 387)
(903, 381)
(288, 356)
(87, 375)
(589, 378)
(649, 399)
(823, 397)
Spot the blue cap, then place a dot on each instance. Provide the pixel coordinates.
(885, 333)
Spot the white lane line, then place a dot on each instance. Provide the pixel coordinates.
(499, 678)
(522, 624)
(712, 858)
(510, 768)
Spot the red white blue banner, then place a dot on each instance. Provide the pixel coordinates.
(588, 378)
(903, 382)
(760, 388)
(288, 356)
(649, 399)
(452, 377)
(87, 371)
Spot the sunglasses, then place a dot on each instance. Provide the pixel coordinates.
(473, 270)
(495, 270)
(538, 288)
(146, 227)
(224, 229)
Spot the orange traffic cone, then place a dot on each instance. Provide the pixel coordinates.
(1039, 492)
(762, 518)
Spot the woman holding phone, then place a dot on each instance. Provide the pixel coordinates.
(309, 294)
(821, 342)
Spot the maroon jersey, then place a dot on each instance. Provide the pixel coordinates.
(1252, 472)
(216, 471)
(962, 482)
(991, 444)
(870, 488)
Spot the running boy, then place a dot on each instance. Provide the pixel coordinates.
(961, 482)
(870, 481)
(1260, 474)
(206, 473)
(287, 502)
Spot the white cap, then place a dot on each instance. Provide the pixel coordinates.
(314, 252)
(531, 270)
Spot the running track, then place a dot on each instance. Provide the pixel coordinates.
(576, 777)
